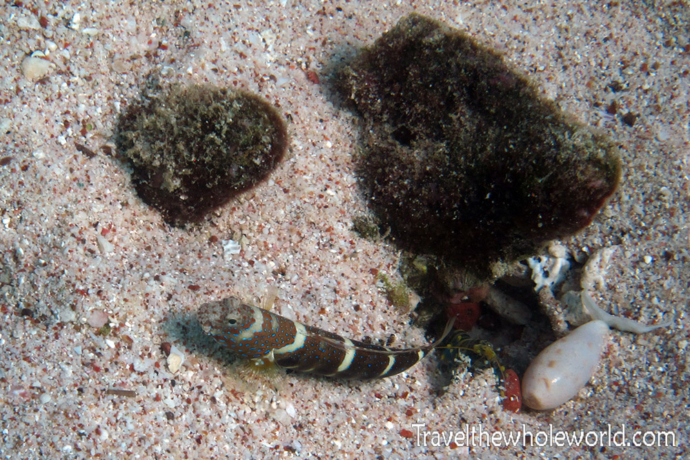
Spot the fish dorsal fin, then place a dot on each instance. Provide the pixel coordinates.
(389, 351)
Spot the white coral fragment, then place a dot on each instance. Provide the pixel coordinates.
(548, 271)
(595, 270)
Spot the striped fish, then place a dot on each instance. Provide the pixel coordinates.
(252, 332)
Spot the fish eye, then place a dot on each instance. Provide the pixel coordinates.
(232, 319)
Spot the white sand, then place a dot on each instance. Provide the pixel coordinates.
(55, 203)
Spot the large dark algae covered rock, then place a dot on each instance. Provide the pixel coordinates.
(459, 155)
(193, 148)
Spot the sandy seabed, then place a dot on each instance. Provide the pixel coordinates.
(78, 244)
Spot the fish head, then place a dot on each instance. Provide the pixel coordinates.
(228, 320)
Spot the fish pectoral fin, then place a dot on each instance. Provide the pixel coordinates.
(287, 362)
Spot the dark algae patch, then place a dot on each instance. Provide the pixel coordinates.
(193, 148)
(460, 156)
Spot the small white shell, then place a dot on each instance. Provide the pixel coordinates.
(559, 372)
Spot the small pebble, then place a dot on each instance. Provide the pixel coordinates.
(97, 319)
(230, 248)
(290, 409)
(67, 315)
(166, 347)
(105, 246)
(76, 19)
(282, 417)
(630, 119)
(175, 359)
(28, 23)
(513, 397)
(35, 68)
(560, 371)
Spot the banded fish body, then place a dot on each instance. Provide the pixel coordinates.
(251, 332)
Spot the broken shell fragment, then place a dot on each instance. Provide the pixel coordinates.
(559, 372)
(175, 359)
